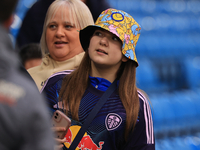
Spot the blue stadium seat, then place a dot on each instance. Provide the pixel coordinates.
(185, 110)
(147, 77)
(163, 115)
(21, 9)
(192, 71)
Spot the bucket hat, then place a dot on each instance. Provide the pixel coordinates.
(119, 23)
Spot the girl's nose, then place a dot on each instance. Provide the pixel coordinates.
(104, 41)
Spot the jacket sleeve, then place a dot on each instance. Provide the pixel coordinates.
(37, 132)
(142, 137)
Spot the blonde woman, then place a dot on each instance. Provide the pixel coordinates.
(60, 43)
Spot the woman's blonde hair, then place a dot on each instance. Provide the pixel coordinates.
(71, 92)
(79, 13)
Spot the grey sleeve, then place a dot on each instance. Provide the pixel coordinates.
(37, 132)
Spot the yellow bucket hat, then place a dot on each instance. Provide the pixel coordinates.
(119, 23)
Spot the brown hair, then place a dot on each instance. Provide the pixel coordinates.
(71, 93)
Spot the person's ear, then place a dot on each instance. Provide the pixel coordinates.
(124, 59)
(8, 22)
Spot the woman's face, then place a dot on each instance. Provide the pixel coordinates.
(62, 37)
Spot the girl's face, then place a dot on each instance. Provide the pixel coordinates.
(105, 49)
(62, 37)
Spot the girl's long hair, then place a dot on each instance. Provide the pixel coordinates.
(75, 84)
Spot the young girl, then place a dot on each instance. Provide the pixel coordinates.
(124, 121)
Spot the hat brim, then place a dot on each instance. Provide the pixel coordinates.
(85, 35)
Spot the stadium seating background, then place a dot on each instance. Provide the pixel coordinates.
(168, 53)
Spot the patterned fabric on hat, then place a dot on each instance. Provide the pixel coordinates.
(122, 25)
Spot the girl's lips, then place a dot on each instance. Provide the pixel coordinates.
(101, 51)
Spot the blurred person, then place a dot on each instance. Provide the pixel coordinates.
(97, 6)
(24, 119)
(31, 28)
(30, 55)
(60, 45)
(125, 120)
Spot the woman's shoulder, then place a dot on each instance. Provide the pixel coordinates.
(34, 69)
(42, 67)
